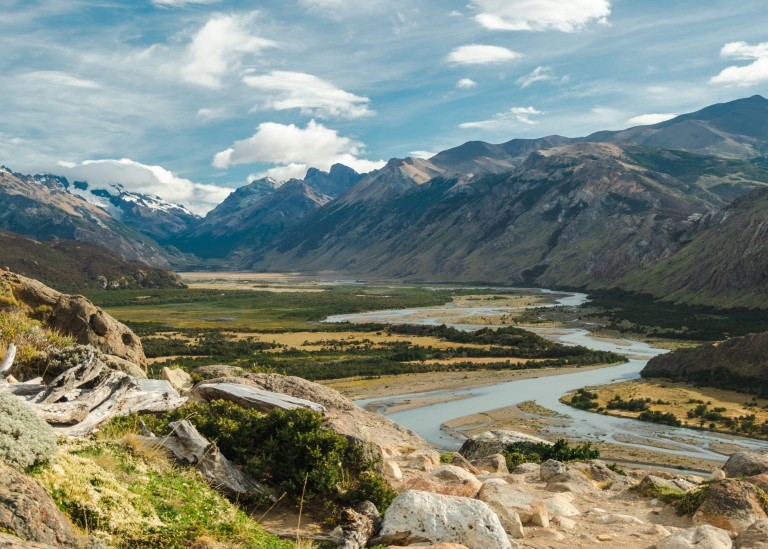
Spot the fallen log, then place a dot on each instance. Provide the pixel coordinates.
(192, 448)
(250, 397)
(73, 378)
(27, 389)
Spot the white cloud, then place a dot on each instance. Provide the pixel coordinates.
(466, 83)
(502, 120)
(310, 94)
(745, 75)
(539, 74)
(219, 48)
(455, 13)
(57, 78)
(294, 150)
(648, 119)
(479, 54)
(141, 178)
(541, 15)
(182, 3)
(207, 114)
(426, 155)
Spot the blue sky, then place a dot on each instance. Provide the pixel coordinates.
(188, 99)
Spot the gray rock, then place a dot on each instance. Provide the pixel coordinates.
(754, 537)
(27, 511)
(217, 370)
(698, 537)
(494, 442)
(494, 463)
(746, 464)
(571, 480)
(501, 496)
(440, 518)
(730, 504)
(179, 379)
(250, 397)
(551, 468)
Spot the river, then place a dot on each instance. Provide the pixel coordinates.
(427, 421)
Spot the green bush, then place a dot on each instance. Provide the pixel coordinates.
(289, 449)
(529, 452)
(26, 439)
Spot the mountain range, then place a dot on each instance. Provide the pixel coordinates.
(677, 209)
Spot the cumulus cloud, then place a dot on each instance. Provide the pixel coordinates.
(141, 178)
(541, 15)
(466, 83)
(57, 78)
(514, 116)
(539, 74)
(479, 54)
(310, 94)
(744, 75)
(294, 150)
(426, 155)
(648, 119)
(219, 48)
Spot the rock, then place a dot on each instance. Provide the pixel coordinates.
(392, 470)
(699, 537)
(218, 370)
(179, 379)
(539, 514)
(571, 481)
(27, 511)
(76, 316)
(250, 397)
(527, 469)
(657, 530)
(754, 537)
(380, 434)
(564, 523)
(651, 485)
(495, 442)
(122, 365)
(761, 481)
(448, 480)
(548, 534)
(614, 518)
(551, 468)
(440, 518)
(598, 471)
(358, 525)
(559, 506)
(459, 461)
(501, 496)
(731, 505)
(494, 463)
(12, 542)
(746, 464)
(604, 537)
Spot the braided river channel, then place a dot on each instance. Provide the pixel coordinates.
(428, 420)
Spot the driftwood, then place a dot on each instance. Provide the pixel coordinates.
(7, 364)
(72, 379)
(191, 448)
(30, 388)
(250, 397)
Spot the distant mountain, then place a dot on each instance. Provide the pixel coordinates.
(251, 217)
(334, 183)
(724, 259)
(737, 129)
(149, 214)
(43, 209)
(77, 266)
(581, 215)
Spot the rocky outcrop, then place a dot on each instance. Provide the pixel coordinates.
(754, 537)
(700, 537)
(495, 442)
(27, 511)
(731, 505)
(438, 518)
(448, 480)
(250, 397)
(75, 316)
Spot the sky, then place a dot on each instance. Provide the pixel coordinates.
(189, 99)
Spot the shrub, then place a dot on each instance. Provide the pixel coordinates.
(286, 448)
(30, 338)
(26, 439)
(527, 452)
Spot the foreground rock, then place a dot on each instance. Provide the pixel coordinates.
(700, 537)
(251, 397)
(495, 442)
(437, 518)
(76, 316)
(388, 439)
(28, 512)
(746, 464)
(754, 537)
(730, 504)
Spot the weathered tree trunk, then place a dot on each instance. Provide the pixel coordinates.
(72, 379)
(358, 525)
(7, 364)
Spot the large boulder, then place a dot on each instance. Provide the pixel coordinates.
(731, 505)
(377, 432)
(76, 316)
(440, 518)
(250, 397)
(746, 464)
(495, 442)
(754, 537)
(504, 498)
(27, 511)
(448, 480)
(699, 537)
